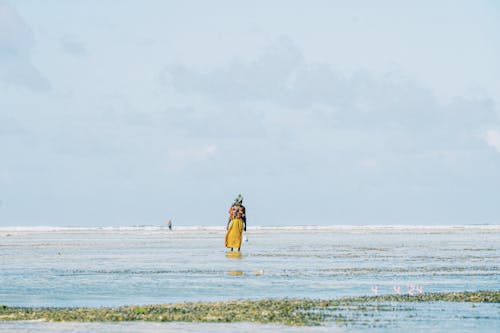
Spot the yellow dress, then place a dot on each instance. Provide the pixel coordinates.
(234, 232)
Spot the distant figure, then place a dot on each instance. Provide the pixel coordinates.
(236, 224)
(169, 224)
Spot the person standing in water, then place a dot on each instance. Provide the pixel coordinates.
(236, 224)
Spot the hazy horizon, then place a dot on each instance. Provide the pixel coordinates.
(255, 228)
(122, 113)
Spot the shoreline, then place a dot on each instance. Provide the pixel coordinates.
(292, 312)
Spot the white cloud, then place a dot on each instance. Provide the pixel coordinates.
(493, 139)
(181, 157)
(264, 79)
(73, 46)
(281, 96)
(16, 44)
(369, 164)
(280, 76)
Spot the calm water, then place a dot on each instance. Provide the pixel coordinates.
(112, 267)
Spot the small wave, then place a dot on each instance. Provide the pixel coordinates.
(340, 228)
(181, 272)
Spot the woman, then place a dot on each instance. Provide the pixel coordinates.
(236, 224)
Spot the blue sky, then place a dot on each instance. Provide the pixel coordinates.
(317, 112)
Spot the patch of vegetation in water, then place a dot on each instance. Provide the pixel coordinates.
(269, 311)
(486, 296)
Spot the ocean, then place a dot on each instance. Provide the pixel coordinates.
(112, 266)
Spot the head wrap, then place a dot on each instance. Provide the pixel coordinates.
(239, 199)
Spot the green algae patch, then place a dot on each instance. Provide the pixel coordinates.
(467, 296)
(269, 311)
(288, 312)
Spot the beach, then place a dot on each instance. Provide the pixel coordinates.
(114, 267)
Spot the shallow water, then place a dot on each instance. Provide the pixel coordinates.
(112, 267)
(145, 327)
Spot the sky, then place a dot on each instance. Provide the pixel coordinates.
(122, 113)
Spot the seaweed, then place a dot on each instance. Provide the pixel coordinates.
(297, 312)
